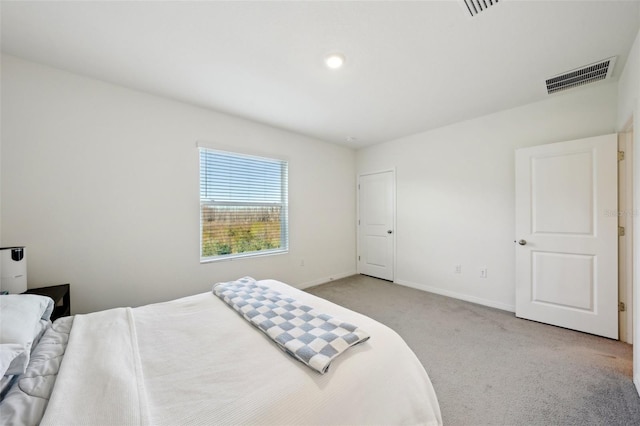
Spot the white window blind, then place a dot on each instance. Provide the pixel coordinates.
(243, 205)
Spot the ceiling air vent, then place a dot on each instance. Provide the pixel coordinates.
(581, 76)
(476, 6)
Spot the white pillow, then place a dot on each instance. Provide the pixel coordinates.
(20, 315)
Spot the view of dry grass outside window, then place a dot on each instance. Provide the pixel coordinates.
(243, 205)
(228, 230)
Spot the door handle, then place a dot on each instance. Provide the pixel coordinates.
(522, 242)
(389, 231)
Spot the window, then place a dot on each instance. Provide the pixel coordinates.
(243, 205)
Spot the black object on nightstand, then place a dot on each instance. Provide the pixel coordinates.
(61, 298)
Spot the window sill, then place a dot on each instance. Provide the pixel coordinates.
(243, 256)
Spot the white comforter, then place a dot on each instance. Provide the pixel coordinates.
(196, 361)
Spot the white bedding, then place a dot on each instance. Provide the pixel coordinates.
(25, 402)
(196, 361)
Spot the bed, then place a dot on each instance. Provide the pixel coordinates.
(196, 360)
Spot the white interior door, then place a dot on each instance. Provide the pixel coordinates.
(376, 206)
(567, 235)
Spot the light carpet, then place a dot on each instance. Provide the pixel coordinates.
(490, 368)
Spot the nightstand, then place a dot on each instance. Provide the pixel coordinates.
(61, 298)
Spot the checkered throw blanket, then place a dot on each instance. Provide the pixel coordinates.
(311, 337)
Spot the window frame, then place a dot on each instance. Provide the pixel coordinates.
(283, 204)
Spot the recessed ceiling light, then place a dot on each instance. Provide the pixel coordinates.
(334, 60)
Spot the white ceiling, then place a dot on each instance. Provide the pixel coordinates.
(411, 66)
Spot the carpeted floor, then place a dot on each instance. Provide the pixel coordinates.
(490, 368)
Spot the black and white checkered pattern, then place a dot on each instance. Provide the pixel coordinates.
(312, 337)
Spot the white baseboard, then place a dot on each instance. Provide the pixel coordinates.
(461, 296)
(325, 279)
(636, 381)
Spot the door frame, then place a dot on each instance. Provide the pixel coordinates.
(393, 210)
(632, 129)
(626, 218)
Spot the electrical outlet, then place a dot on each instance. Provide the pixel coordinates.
(458, 269)
(483, 273)
(301, 262)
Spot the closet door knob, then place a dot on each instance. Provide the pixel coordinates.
(522, 242)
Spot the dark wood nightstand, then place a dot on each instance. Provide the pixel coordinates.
(61, 298)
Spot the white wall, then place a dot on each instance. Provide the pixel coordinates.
(0, 170)
(629, 109)
(629, 86)
(101, 184)
(455, 191)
